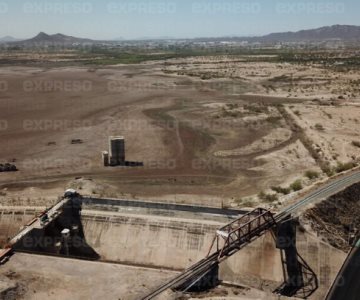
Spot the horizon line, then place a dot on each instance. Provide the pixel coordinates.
(175, 38)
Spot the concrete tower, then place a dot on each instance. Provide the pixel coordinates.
(117, 150)
(105, 158)
(65, 233)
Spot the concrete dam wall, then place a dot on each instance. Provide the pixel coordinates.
(174, 243)
(148, 240)
(324, 259)
(178, 243)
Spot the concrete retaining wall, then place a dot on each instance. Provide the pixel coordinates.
(148, 240)
(11, 221)
(325, 260)
(174, 244)
(178, 243)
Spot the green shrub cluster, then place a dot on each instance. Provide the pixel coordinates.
(268, 197)
(296, 185)
(311, 174)
(281, 190)
(341, 167)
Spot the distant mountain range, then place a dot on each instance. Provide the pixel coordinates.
(7, 39)
(43, 39)
(342, 32)
(335, 32)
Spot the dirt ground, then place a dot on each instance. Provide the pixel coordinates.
(24, 277)
(333, 129)
(209, 130)
(211, 140)
(59, 278)
(281, 79)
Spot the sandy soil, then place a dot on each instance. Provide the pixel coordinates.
(273, 139)
(170, 124)
(206, 140)
(288, 163)
(24, 277)
(208, 130)
(333, 129)
(42, 277)
(307, 81)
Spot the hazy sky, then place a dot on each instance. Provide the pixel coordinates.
(109, 19)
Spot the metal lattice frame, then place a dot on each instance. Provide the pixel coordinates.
(310, 281)
(240, 232)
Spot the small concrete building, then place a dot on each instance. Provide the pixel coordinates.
(116, 150)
